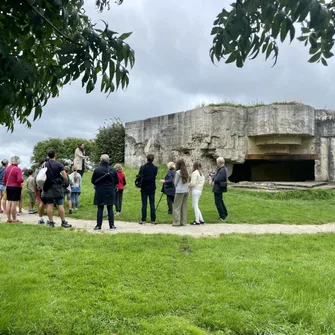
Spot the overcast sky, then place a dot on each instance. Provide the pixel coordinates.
(173, 73)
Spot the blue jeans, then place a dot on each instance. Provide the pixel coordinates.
(144, 197)
(75, 199)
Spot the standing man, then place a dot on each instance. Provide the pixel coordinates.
(53, 189)
(219, 184)
(148, 188)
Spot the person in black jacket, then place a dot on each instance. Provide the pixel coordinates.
(148, 188)
(105, 182)
(168, 187)
(219, 184)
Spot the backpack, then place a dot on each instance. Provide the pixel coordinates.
(139, 178)
(41, 176)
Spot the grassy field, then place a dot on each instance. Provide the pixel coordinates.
(289, 207)
(67, 282)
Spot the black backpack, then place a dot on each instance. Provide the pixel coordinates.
(139, 178)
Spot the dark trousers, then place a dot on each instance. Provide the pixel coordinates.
(100, 214)
(223, 213)
(118, 200)
(81, 172)
(170, 199)
(144, 197)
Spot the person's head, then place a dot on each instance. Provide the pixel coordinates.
(74, 169)
(180, 165)
(118, 167)
(81, 146)
(197, 166)
(171, 166)
(104, 159)
(4, 162)
(67, 169)
(220, 161)
(52, 154)
(150, 158)
(30, 172)
(15, 160)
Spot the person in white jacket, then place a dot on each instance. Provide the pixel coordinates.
(195, 186)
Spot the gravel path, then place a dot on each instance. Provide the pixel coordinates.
(194, 231)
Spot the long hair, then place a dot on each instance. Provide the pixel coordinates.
(180, 165)
(75, 175)
(197, 166)
(80, 148)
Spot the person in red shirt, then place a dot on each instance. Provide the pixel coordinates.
(13, 180)
(120, 186)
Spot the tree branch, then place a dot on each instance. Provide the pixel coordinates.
(50, 23)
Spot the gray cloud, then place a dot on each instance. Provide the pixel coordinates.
(172, 73)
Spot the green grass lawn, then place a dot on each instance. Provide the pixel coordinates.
(54, 281)
(288, 207)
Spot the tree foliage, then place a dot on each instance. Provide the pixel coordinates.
(110, 140)
(46, 44)
(64, 149)
(253, 26)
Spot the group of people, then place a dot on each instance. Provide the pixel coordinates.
(109, 182)
(59, 183)
(178, 185)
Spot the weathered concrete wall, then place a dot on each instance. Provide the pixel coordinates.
(234, 133)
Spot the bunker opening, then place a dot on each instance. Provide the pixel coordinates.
(262, 170)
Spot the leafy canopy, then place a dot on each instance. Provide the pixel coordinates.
(46, 44)
(253, 26)
(110, 140)
(65, 149)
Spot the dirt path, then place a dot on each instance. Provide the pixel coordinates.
(194, 231)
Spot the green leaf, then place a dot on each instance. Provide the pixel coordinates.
(315, 58)
(125, 36)
(324, 62)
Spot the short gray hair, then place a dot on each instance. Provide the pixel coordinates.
(171, 165)
(220, 160)
(104, 158)
(15, 160)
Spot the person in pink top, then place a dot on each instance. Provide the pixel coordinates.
(13, 180)
(120, 186)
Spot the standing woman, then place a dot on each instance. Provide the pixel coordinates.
(196, 185)
(168, 186)
(75, 182)
(105, 180)
(13, 180)
(120, 187)
(79, 162)
(180, 198)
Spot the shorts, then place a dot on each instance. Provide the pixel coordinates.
(68, 196)
(58, 202)
(31, 196)
(13, 193)
(2, 188)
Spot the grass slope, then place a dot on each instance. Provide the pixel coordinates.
(65, 282)
(287, 207)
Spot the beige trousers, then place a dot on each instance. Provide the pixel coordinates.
(180, 209)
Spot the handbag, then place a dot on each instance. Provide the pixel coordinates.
(139, 178)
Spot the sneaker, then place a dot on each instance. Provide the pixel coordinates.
(76, 209)
(41, 221)
(50, 223)
(223, 219)
(153, 222)
(32, 211)
(97, 228)
(142, 222)
(65, 224)
(70, 211)
(112, 228)
(117, 213)
(194, 223)
(202, 222)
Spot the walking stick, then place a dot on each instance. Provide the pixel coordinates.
(159, 201)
